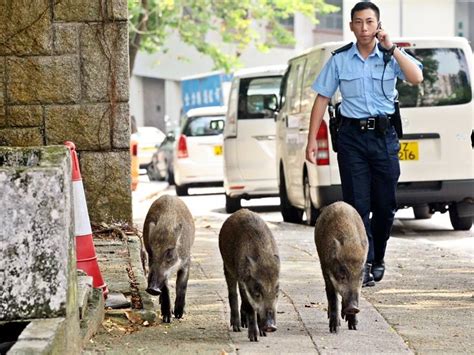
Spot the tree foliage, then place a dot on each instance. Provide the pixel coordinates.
(152, 21)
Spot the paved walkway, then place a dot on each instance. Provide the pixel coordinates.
(302, 318)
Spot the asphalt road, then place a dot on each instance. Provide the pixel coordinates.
(425, 304)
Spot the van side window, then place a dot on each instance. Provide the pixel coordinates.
(283, 86)
(446, 79)
(294, 87)
(259, 97)
(312, 69)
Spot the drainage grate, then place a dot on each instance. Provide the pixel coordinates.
(9, 333)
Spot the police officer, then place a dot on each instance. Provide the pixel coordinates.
(367, 143)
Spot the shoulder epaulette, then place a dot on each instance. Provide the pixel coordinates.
(342, 49)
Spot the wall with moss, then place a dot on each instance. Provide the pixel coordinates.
(64, 76)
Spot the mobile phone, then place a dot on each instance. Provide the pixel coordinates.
(379, 26)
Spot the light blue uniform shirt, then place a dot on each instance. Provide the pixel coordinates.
(359, 81)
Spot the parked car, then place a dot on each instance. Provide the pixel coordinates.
(249, 135)
(161, 167)
(197, 157)
(148, 138)
(436, 155)
(134, 169)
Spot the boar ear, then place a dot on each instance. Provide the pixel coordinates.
(277, 258)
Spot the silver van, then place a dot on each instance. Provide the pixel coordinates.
(436, 155)
(249, 135)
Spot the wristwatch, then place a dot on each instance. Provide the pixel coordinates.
(391, 49)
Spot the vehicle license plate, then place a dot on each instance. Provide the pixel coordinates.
(408, 151)
(218, 149)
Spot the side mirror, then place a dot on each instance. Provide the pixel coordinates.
(270, 102)
(170, 136)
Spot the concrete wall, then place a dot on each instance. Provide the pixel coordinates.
(154, 103)
(64, 76)
(173, 107)
(464, 12)
(136, 99)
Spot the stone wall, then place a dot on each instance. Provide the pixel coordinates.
(64, 76)
(37, 254)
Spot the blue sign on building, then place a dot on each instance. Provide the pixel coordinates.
(203, 91)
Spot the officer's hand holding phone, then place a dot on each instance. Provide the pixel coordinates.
(383, 37)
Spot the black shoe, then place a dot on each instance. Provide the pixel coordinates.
(378, 269)
(368, 279)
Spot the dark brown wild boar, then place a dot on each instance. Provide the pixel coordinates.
(341, 242)
(251, 261)
(168, 235)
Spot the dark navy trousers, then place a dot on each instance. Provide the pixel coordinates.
(369, 170)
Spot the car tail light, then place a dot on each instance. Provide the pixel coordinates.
(182, 147)
(403, 44)
(134, 149)
(322, 155)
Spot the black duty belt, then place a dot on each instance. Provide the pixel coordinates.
(378, 124)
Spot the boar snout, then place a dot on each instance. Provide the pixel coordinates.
(270, 325)
(156, 282)
(154, 291)
(350, 309)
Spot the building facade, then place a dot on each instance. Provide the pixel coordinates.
(399, 18)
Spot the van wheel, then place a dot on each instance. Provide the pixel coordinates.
(153, 174)
(181, 190)
(310, 212)
(232, 204)
(422, 212)
(459, 223)
(290, 213)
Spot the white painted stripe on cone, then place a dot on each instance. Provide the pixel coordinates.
(82, 224)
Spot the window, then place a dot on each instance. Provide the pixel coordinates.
(204, 126)
(446, 79)
(259, 97)
(294, 85)
(332, 21)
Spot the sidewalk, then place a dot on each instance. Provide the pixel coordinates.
(302, 320)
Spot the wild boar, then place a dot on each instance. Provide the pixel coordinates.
(341, 242)
(168, 235)
(251, 261)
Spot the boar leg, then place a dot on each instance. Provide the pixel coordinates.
(165, 303)
(251, 315)
(233, 300)
(261, 326)
(243, 315)
(181, 287)
(333, 305)
(352, 321)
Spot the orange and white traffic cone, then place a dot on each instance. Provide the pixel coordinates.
(85, 250)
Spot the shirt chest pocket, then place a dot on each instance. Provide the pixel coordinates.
(388, 82)
(350, 84)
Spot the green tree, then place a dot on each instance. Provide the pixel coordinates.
(152, 21)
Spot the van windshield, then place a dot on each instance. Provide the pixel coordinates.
(259, 97)
(446, 79)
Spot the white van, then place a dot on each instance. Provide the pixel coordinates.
(249, 135)
(436, 155)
